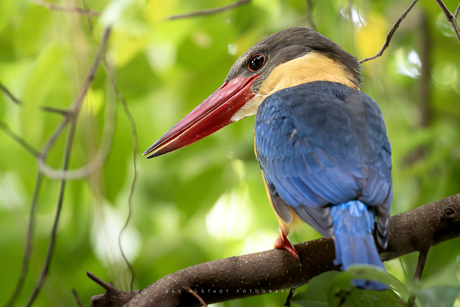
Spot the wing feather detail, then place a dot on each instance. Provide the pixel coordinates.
(321, 144)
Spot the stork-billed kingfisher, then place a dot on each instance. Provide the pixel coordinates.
(321, 143)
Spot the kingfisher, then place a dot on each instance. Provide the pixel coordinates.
(321, 143)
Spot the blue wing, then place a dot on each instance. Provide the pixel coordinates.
(322, 144)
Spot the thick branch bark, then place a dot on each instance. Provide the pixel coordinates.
(268, 271)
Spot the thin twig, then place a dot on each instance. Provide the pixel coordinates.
(29, 240)
(18, 139)
(49, 253)
(310, 14)
(199, 298)
(418, 272)
(287, 303)
(112, 295)
(450, 18)
(74, 110)
(107, 286)
(88, 19)
(63, 112)
(100, 157)
(52, 139)
(421, 264)
(209, 11)
(9, 95)
(92, 71)
(425, 80)
(457, 11)
(54, 7)
(77, 298)
(77, 173)
(135, 153)
(390, 34)
(76, 104)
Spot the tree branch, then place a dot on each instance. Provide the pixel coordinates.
(269, 271)
(112, 297)
(88, 18)
(457, 11)
(418, 272)
(100, 157)
(9, 95)
(390, 34)
(63, 112)
(20, 140)
(289, 297)
(77, 298)
(72, 118)
(197, 297)
(425, 80)
(28, 248)
(209, 11)
(49, 252)
(452, 19)
(72, 112)
(54, 7)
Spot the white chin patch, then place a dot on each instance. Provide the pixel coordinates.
(250, 108)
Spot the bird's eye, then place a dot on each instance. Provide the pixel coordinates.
(256, 62)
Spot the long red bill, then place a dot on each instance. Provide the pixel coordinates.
(211, 115)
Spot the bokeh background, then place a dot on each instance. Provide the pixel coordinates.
(206, 201)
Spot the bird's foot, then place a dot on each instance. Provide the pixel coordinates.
(283, 242)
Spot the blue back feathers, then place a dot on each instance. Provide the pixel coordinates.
(323, 147)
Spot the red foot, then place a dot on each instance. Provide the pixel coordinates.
(283, 242)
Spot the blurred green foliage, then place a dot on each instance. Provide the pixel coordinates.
(206, 201)
(335, 289)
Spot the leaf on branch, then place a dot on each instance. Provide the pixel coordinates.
(335, 289)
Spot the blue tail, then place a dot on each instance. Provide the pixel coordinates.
(353, 240)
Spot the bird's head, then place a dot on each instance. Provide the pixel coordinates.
(285, 59)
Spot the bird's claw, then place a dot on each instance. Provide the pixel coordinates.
(283, 242)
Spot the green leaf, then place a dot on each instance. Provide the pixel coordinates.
(374, 273)
(439, 296)
(335, 289)
(341, 290)
(316, 292)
